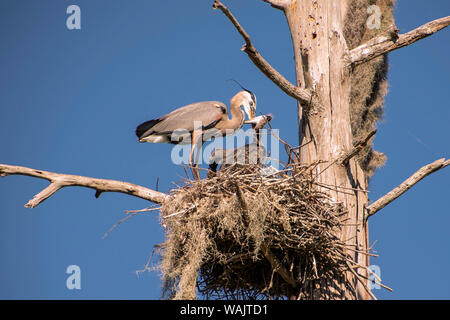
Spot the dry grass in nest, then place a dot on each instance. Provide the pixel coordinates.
(243, 234)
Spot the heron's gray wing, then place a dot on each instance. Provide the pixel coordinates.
(207, 112)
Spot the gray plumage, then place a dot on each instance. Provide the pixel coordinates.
(184, 118)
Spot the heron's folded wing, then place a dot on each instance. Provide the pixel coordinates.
(206, 114)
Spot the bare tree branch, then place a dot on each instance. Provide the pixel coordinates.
(302, 95)
(386, 43)
(58, 181)
(406, 185)
(356, 149)
(279, 4)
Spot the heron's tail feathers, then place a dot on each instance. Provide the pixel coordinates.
(143, 130)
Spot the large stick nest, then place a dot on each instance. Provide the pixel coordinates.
(246, 234)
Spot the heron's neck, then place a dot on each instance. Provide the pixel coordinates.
(237, 117)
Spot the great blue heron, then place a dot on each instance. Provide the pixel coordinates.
(198, 122)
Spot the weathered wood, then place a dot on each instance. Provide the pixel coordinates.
(303, 95)
(278, 4)
(393, 41)
(58, 181)
(319, 47)
(406, 185)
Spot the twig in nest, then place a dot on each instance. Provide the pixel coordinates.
(130, 213)
(363, 283)
(117, 224)
(147, 265)
(278, 267)
(241, 199)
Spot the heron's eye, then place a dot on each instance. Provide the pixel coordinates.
(251, 103)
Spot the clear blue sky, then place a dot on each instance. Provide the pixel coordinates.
(70, 101)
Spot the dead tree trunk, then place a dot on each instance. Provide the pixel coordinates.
(317, 29)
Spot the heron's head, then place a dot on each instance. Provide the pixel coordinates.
(246, 100)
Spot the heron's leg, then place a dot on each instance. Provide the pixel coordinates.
(191, 160)
(199, 148)
(195, 137)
